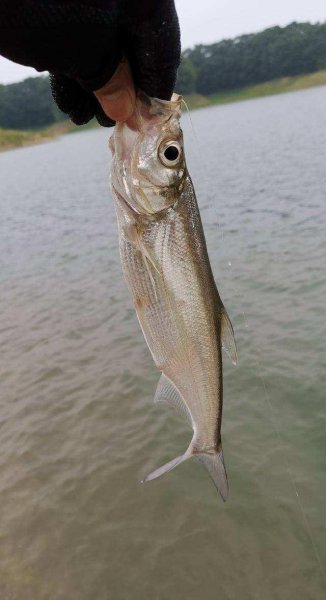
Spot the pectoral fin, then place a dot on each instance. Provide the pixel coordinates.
(134, 236)
(149, 257)
(227, 337)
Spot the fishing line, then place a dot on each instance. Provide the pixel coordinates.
(258, 369)
(191, 123)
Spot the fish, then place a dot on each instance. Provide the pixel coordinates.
(166, 266)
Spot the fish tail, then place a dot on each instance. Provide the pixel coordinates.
(168, 466)
(214, 463)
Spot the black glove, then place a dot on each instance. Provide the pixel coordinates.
(81, 43)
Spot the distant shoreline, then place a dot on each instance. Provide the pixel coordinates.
(269, 88)
(16, 138)
(12, 138)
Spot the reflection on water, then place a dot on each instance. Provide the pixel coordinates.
(78, 429)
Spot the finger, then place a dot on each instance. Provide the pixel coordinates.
(117, 97)
(151, 43)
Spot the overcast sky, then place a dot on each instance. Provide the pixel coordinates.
(206, 21)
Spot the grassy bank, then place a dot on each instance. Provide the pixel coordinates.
(13, 138)
(278, 86)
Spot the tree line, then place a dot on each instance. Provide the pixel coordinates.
(296, 49)
(276, 52)
(28, 104)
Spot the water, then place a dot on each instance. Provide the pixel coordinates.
(78, 429)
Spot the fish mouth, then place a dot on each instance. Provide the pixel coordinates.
(159, 107)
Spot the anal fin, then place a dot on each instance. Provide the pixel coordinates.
(167, 392)
(227, 336)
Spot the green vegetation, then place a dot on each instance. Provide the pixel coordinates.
(279, 59)
(13, 138)
(10, 138)
(278, 86)
(247, 60)
(28, 105)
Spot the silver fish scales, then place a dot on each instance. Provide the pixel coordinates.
(167, 269)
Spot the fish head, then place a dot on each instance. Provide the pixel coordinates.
(148, 158)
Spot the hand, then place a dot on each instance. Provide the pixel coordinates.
(117, 97)
(89, 81)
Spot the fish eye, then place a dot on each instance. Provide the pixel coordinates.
(170, 153)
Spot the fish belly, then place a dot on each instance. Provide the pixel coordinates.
(178, 313)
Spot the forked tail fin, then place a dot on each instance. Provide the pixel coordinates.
(167, 467)
(214, 464)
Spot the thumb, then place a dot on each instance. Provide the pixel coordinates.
(117, 97)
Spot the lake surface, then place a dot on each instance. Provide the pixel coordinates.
(78, 429)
